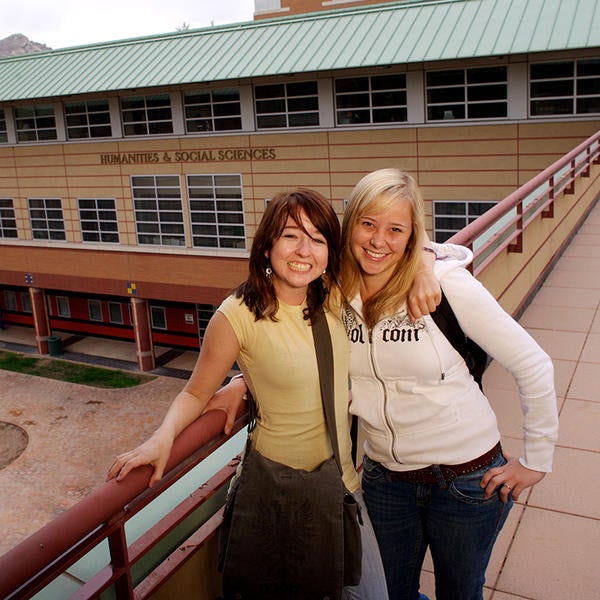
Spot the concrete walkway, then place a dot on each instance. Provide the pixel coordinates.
(548, 549)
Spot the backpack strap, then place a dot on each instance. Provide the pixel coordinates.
(474, 356)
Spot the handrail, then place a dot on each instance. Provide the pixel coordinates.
(546, 186)
(39, 559)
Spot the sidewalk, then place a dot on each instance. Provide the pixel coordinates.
(548, 549)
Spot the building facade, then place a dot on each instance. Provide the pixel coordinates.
(133, 174)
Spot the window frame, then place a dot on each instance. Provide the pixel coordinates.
(46, 219)
(286, 98)
(63, 307)
(466, 103)
(3, 127)
(93, 302)
(35, 115)
(158, 310)
(371, 93)
(545, 97)
(158, 227)
(466, 217)
(141, 111)
(7, 218)
(88, 115)
(107, 230)
(222, 218)
(214, 105)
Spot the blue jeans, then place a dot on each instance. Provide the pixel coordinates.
(452, 518)
(372, 582)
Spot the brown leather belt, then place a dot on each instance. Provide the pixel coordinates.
(432, 473)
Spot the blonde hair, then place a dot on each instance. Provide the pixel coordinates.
(375, 193)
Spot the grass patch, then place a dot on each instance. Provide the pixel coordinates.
(68, 371)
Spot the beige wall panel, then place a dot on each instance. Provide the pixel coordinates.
(351, 170)
(316, 152)
(378, 150)
(38, 149)
(150, 144)
(404, 135)
(275, 140)
(291, 166)
(443, 192)
(270, 181)
(573, 130)
(474, 178)
(471, 133)
(212, 142)
(473, 148)
(73, 149)
(468, 163)
(548, 147)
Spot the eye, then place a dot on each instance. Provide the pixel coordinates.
(366, 223)
(319, 240)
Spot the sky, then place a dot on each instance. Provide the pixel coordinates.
(64, 23)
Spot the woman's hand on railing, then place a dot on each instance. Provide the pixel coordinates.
(228, 399)
(154, 451)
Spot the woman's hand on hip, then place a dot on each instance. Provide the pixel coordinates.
(512, 478)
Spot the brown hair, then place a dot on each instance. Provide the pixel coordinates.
(258, 293)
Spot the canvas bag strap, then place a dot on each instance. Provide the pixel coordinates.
(324, 351)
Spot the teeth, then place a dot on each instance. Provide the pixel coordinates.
(302, 267)
(375, 254)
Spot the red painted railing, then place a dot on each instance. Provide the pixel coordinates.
(41, 558)
(502, 226)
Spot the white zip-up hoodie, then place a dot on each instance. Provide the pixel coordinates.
(417, 402)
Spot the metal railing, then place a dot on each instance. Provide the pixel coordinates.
(102, 517)
(502, 226)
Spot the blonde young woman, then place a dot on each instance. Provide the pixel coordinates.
(434, 474)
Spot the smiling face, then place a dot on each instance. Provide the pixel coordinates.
(297, 257)
(378, 242)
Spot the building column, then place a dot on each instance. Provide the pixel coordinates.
(143, 334)
(41, 322)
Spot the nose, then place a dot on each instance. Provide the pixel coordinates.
(303, 247)
(377, 239)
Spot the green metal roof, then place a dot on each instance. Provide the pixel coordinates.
(392, 33)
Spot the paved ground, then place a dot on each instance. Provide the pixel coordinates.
(74, 433)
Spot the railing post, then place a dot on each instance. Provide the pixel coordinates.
(571, 188)
(517, 244)
(119, 560)
(548, 212)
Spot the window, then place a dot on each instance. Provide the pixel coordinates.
(10, 300)
(449, 216)
(477, 93)
(46, 218)
(95, 310)
(35, 123)
(8, 221)
(115, 313)
(216, 211)
(147, 115)
(98, 218)
(565, 88)
(204, 312)
(62, 304)
(287, 105)
(213, 110)
(158, 210)
(3, 130)
(26, 302)
(89, 119)
(378, 99)
(158, 316)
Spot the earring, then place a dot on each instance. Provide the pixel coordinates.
(269, 272)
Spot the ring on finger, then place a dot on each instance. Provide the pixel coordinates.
(508, 486)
